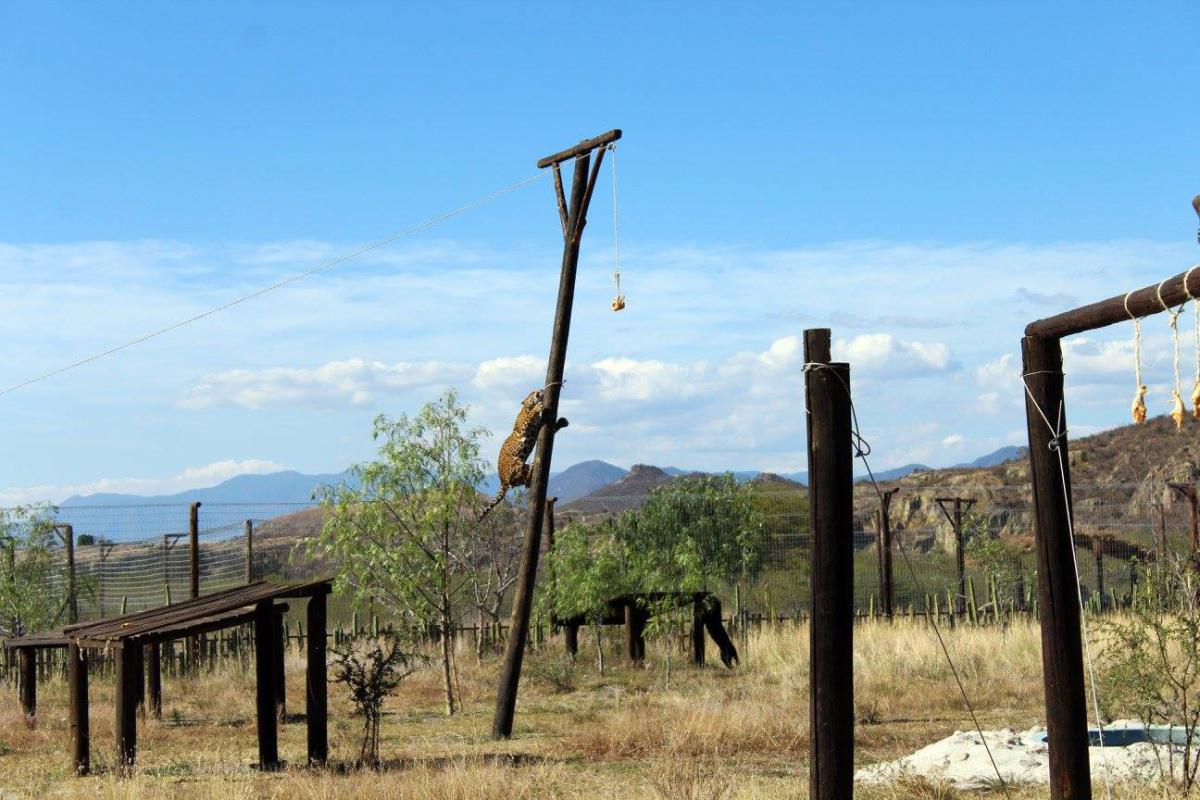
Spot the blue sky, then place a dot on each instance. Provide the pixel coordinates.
(924, 178)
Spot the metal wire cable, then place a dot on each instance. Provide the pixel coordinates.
(429, 223)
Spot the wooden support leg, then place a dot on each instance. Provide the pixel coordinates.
(264, 669)
(639, 635)
(77, 677)
(154, 678)
(125, 662)
(631, 633)
(316, 701)
(716, 629)
(28, 677)
(571, 638)
(140, 680)
(698, 632)
(280, 678)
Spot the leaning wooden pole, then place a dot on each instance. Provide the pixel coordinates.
(831, 522)
(887, 594)
(573, 217)
(1058, 584)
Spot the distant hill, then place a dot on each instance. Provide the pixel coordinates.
(629, 492)
(580, 480)
(996, 457)
(276, 487)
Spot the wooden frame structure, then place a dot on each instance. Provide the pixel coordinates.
(1058, 582)
(135, 639)
(633, 611)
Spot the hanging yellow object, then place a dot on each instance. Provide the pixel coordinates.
(1196, 401)
(1139, 405)
(1178, 412)
(618, 302)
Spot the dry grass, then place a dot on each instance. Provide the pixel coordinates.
(716, 734)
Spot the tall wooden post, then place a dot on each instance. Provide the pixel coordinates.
(265, 642)
(573, 218)
(193, 580)
(67, 533)
(955, 518)
(27, 674)
(194, 551)
(127, 670)
(249, 551)
(1058, 585)
(316, 698)
(154, 678)
(831, 520)
(280, 636)
(77, 679)
(698, 631)
(887, 594)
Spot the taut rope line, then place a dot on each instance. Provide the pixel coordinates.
(1139, 393)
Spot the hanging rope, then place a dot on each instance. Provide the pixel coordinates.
(1058, 435)
(1177, 410)
(1196, 314)
(618, 302)
(1139, 392)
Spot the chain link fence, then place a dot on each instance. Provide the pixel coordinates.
(130, 558)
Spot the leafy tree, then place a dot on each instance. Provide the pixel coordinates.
(403, 538)
(694, 535)
(33, 585)
(589, 570)
(492, 560)
(1000, 561)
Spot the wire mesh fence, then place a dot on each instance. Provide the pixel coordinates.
(130, 558)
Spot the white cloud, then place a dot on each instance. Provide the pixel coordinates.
(953, 440)
(353, 382)
(625, 379)
(510, 373)
(190, 478)
(883, 355)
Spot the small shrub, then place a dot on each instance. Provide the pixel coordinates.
(554, 672)
(372, 669)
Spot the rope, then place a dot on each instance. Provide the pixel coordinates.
(1058, 438)
(429, 223)
(1139, 391)
(1177, 409)
(862, 450)
(619, 300)
(1196, 313)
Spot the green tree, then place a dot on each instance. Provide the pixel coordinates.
(403, 538)
(33, 584)
(589, 570)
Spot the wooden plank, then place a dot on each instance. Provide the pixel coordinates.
(1058, 585)
(831, 502)
(1141, 303)
(584, 147)
(316, 700)
(264, 671)
(77, 681)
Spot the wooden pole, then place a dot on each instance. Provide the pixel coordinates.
(194, 579)
(698, 631)
(77, 679)
(67, 533)
(582, 184)
(126, 668)
(316, 698)
(831, 508)
(264, 672)
(27, 664)
(194, 550)
(955, 518)
(1141, 303)
(1058, 585)
(249, 551)
(887, 594)
(154, 678)
(280, 678)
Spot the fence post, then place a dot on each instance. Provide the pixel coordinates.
(249, 551)
(831, 508)
(67, 533)
(194, 550)
(886, 592)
